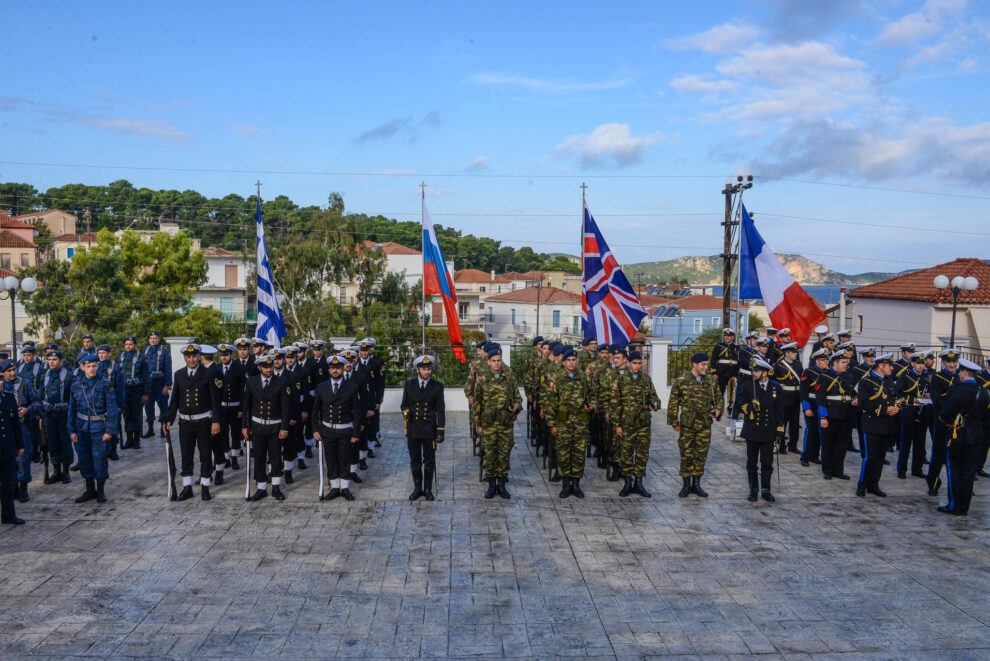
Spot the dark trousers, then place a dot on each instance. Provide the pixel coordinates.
(374, 425)
(812, 437)
(792, 422)
(294, 444)
(984, 451)
(422, 457)
(835, 444)
(761, 451)
(940, 432)
(337, 453)
(912, 443)
(961, 470)
(230, 428)
(156, 397)
(131, 408)
(7, 470)
(266, 450)
(723, 382)
(195, 435)
(874, 449)
(59, 445)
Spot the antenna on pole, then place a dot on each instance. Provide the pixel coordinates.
(422, 288)
(258, 184)
(584, 206)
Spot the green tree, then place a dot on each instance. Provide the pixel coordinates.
(18, 198)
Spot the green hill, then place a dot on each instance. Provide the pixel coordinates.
(698, 270)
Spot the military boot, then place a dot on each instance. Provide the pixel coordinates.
(23, 496)
(204, 492)
(686, 489)
(576, 487)
(640, 489)
(233, 463)
(287, 476)
(151, 430)
(767, 496)
(616, 473)
(126, 441)
(90, 492)
(218, 478)
(66, 478)
(565, 489)
(136, 440)
(555, 476)
(753, 488)
(277, 492)
(113, 451)
(627, 487)
(492, 489)
(428, 484)
(696, 486)
(301, 463)
(56, 476)
(502, 491)
(363, 464)
(186, 493)
(101, 496)
(417, 485)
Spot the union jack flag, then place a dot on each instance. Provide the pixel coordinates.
(610, 308)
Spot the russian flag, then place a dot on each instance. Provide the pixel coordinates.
(761, 275)
(437, 282)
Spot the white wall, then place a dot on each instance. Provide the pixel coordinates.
(526, 312)
(412, 265)
(216, 271)
(887, 322)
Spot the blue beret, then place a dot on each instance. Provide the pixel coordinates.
(29, 348)
(55, 352)
(155, 333)
(131, 338)
(588, 340)
(635, 355)
(699, 357)
(87, 336)
(618, 351)
(482, 345)
(88, 358)
(569, 352)
(7, 364)
(494, 349)
(537, 340)
(557, 349)
(104, 347)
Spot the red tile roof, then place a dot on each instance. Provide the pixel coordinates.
(35, 214)
(10, 240)
(702, 302)
(919, 286)
(6, 273)
(516, 275)
(391, 248)
(6, 222)
(529, 294)
(472, 275)
(649, 299)
(81, 238)
(219, 252)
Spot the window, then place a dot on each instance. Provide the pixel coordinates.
(556, 318)
(69, 252)
(437, 316)
(5, 260)
(25, 259)
(230, 276)
(524, 325)
(462, 310)
(715, 321)
(491, 315)
(227, 306)
(481, 289)
(575, 325)
(513, 315)
(697, 325)
(859, 323)
(481, 306)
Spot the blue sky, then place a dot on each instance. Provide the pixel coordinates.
(840, 109)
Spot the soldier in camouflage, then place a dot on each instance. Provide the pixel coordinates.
(633, 398)
(694, 404)
(608, 377)
(570, 401)
(476, 366)
(496, 405)
(548, 370)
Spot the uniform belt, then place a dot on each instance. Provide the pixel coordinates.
(230, 404)
(345, 425)
(727, 362)
(92, 418)
(195, 416)
(789, 388)
(743, 370)
(266, 421)
(839, 398)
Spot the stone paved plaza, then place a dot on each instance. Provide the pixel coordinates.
(820, 573)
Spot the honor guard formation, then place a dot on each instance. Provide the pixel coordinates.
(274, 408)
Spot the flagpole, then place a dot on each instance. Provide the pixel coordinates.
(422, 289)
(584, 205)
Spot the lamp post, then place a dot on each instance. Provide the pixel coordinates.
(959, 284)
(11, 284)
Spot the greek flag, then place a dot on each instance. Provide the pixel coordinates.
(270, 324)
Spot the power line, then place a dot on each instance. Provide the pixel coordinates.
(886, 189)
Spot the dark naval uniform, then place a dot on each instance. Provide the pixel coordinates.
(24, 393)
(375, 368)
(424, 410)
(966, 412)
(11, 443)
(158, 363)
(912, 387)
(195, 401)
(833, 400)
(876, 395)
(763, 409)
(938, 388)
(812, 431)
(336, 407)
(266, 408)
(788, 375)
(725, 359)
(232, 379)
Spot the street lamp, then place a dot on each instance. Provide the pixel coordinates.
(11, 284)
(959, 284)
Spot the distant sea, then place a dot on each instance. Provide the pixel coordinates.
(825, 294)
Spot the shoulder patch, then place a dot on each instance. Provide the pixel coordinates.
(218, 382)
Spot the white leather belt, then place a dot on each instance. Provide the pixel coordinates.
(789, 388)
(266, 421)
(838, 398)
(228, 404)
(727, 362)
(91, 418)
(346, 425)
(195, 416)
(743, 370)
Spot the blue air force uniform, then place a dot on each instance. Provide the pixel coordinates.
(92, 414)
(158, 363)
(55, 390)
(134, 373)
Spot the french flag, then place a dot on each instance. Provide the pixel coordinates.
(761, 275)
(437, 282)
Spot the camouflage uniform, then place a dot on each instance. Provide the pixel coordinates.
(567, 395)
(475, 367)
(494, 394)
(632, 397)
(608, 377)
(691, 400)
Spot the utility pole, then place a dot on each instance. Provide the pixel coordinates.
(89, 235)
(729, 258)
(422, 288)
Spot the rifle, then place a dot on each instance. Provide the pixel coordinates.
(44, 447)
(170, 465)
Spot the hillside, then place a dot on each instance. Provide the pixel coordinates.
(698, 270)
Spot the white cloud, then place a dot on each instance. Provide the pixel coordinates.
(692, 84)
(546, 85)
(477, 164)
(150, 128)
(908, 29)
(722, 38)
(785, 63)
(250, 129)
(608, 145)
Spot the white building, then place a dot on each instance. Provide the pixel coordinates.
(908, 308)
(225, 288)
(472, 287)
(514, 313)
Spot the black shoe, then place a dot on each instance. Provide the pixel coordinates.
(876, 491)
(860, 490)
(932, 492)
(555, 476)
(23, 496)
(309, 451)
(74, 467)
(783, 450)
(502, 491)
(640, 489)
(842, 476)
(186, 493)
(288, 477)
(696, 487)
(150, 432)
(90, 492)
(258, 495)
(355, 478)
(277, 492)
(804, 462)
(334, 493)
(914, 474)
(627, 487)
(371, 453)
(767, 496)
(816, 461)
(983, 473)
(234, 465)
(14, 521)
(219, 478)
(346, 493)
(55, 477)
(113, 456)
(616, 473)
(886, 462)
(301, 464)
(66, 478)
(946, 510)
(126, 443)
(429, 495)
(363, 465)
(901, 475)
(565, 489)
(752, 496)
(492, 489)
(576, 487)
(101, 496)
(826, 476)
(792, 448)
(686, 489)
(204, 492)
